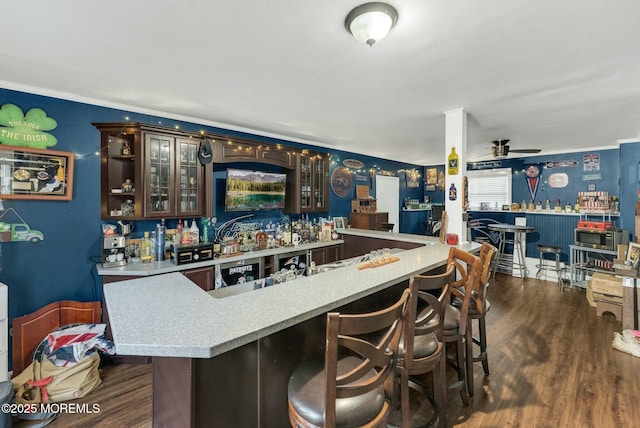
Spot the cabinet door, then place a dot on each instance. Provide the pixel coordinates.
(306, 182)
(159, 176)
(202, 277)
(321, 184)
(189, 173)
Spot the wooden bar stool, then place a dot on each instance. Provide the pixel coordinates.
(422, 348)
(347, 389)
(467, 268)
(478, 308)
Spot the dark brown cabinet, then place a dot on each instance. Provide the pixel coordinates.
(326, 255)
(308, 184)
(152, 172)
(238, 150)
(202, 277)
(370, 221)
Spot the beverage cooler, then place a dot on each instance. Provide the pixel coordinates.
(299, 259)
(239, 272)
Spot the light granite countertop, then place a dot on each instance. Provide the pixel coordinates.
(168, 315)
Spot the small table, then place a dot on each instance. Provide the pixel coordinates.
(506, 260)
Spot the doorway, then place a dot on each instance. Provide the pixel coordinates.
(388, 198)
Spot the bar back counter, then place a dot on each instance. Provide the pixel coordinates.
(223, 359)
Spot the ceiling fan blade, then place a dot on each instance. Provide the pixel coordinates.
(525, 150)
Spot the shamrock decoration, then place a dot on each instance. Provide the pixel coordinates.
(16, 129)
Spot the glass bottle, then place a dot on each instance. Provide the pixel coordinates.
(146, 249)
(126, 149)
(194, 232)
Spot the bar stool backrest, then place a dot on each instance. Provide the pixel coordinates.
(374, 337)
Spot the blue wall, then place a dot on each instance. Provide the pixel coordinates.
(63, 265)
(618, 175)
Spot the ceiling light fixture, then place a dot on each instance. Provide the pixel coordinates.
(371, 22)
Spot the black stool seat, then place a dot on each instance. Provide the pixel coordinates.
(306, 395)
(554, 266)
(549, 249)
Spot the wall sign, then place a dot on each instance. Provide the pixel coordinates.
(341, 181)
(561, 164)
(591, 162)
(18, 129)
(453, 192)
(532, 175)
(558, 180)
(452, 162)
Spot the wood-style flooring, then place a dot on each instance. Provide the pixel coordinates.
(550, 356)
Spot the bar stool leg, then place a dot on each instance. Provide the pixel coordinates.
(500, 255)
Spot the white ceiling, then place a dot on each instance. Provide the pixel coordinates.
(556, 75)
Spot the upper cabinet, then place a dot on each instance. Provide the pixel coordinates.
(152, 172)
(227, 150)
(308, 184)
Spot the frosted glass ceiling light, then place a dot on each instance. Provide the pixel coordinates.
(371, 22)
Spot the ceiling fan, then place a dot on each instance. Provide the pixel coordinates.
(500, 149)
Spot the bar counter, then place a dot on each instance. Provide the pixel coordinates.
(236, 353)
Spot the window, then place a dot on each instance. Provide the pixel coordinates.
(490, 186)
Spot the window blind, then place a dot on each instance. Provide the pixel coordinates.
(492, 186)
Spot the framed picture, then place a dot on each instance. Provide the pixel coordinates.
(633, 253)
(432, 175)
(339, 223)
(35, 174)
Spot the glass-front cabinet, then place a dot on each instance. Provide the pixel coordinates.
(160, 173)
(175, 176)
(308, 184)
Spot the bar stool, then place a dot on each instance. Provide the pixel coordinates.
(505, 261)
(347, 387)
(546, 265)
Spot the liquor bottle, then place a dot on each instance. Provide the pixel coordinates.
(194, 232)
(160, 243)
(146, 250)
(177, 238)
(126, 150)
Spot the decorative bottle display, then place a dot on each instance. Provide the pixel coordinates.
(194, 232)
(452, 162)
(146, 251)
(127, 207)
(126, 150)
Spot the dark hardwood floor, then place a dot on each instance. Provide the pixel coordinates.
(551, 361)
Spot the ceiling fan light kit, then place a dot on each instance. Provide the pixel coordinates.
(371, 22)
(500, 149)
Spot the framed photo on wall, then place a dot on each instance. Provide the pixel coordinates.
(432, 176)
(633, 253)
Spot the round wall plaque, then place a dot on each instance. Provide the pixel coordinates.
(341, 181)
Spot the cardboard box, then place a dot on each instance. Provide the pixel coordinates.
(589, 293)
(606, 298)
(364, 205)
(604, 283)
(614, 308)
